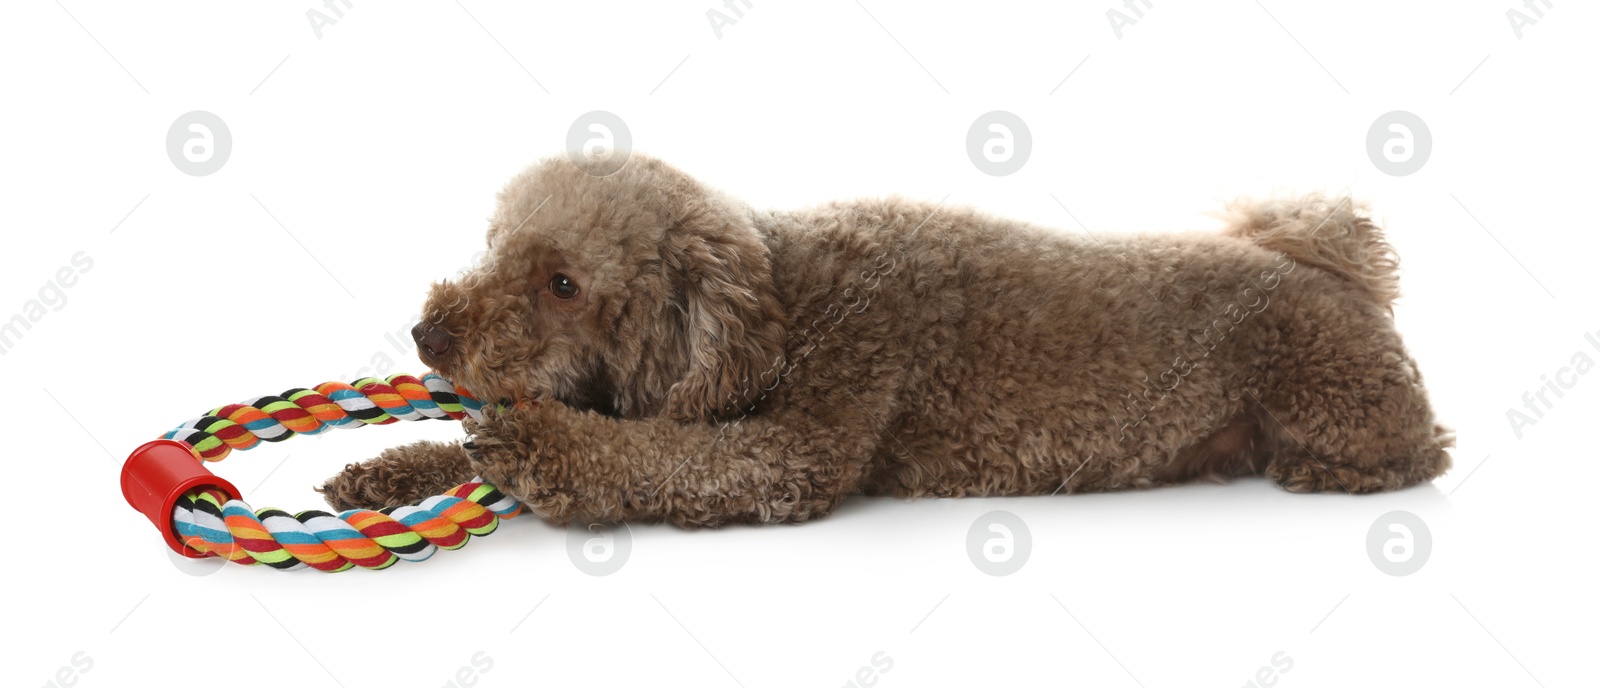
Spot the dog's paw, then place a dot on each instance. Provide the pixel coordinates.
(511, 449)
(400, 475)
(356, 487)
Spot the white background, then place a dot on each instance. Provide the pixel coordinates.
(379, 147)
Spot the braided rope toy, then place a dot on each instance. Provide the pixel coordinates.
(201, 515)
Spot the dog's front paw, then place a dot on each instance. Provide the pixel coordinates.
(511, 449)
(360, 486)
(400, 475)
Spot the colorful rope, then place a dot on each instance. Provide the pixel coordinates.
(210, 523)
(368, 401)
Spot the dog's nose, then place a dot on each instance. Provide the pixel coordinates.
(432, 340)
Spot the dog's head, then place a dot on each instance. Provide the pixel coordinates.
(633, 294)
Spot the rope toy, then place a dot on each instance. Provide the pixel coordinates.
(201, 515)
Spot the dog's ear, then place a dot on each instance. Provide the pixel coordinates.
(732, 322)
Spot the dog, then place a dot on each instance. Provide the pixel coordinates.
(663, 352)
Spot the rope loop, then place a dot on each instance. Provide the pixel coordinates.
(207, 521)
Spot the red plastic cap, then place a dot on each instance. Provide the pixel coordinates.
(156, 475)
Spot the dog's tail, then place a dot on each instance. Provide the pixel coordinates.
(1335, 236)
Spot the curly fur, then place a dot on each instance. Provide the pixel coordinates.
(400, 475)
(724, 365)
(1334, 237)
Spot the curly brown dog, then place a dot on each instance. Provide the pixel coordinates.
(699, 362)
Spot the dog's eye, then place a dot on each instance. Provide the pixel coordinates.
(563, 286)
